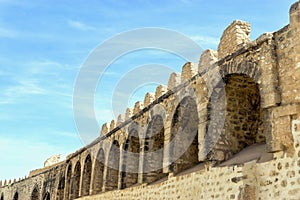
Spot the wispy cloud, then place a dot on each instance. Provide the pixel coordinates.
(25, 87)
(80, 25)
(7, 33)
(46, 66)
(206, 40)
(64, 134)
(21, 148)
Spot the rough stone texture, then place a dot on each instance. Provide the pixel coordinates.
(174, 80)
(188, 71)
(51, 161)
(235, 36)
(247, 94)
(207, 58)
(160, 90)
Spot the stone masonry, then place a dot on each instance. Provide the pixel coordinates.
(225, 128)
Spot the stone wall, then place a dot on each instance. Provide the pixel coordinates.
(227, 128)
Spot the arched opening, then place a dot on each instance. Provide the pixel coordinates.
(68, 182)
(76, 181)
(86, 179)
(47, 196)
(113, 167)
(130, 165)
(98, 172)
(60, 189)
(242, 113)
(184, 136)
(16, 196)
(154, 150)
(35, 194)
(2, 196)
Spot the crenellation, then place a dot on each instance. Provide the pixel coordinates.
(160, 90)
(174, 80)
(235, 116)
(128, 113)
(189, 70)
(112, 125)
(104, 129)
(149, 98)
(120, 120)
(234, 37)
(207, 59)
(138, 106)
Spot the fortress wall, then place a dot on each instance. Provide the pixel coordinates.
(276, 179)
(244, 94)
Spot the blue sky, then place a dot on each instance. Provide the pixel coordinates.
(44, 43)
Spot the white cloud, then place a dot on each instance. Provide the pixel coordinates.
(206, 40)
(7, 33)
(24, 87)
(105, 115)
(23, 155)
(64, 134)
(80, 25)
(21, 149)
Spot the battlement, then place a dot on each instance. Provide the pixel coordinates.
(224, 128)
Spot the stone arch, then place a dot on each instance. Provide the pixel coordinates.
(99, 172)
(16, 196)
(154, 150)
(2, 196)
(60, 188)
(184, 146)
(239, 103)
(87, 174)
(68, 181)
(131, 157)
(47, 196)
(113, 162)
(35, 193)
(248, 68)
(76, 181)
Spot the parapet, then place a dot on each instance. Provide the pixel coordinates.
(120, 119)
(295, 14)
(128, 113)
(52, 160)
(188, 71)
(112, 125)
(148, 99)
(104, 129)
(138, 106)
(174, 80)
(160, 90)
(235, 35)
(207, 58)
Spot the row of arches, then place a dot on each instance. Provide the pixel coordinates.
(149, 151)
(236, 121)
(140, 160)
(35, 195)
